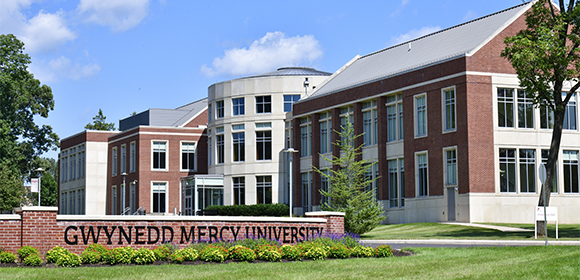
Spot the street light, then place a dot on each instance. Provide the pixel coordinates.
(39, 170)
(290, 151)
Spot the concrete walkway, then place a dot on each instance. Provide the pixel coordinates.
(500, 228)
(471, 243)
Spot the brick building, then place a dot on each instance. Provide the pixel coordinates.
(453, 136)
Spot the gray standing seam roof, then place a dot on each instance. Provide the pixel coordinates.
(453, 42)
(164, 117)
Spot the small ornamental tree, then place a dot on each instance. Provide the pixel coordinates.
(350, 190)
(100, 123)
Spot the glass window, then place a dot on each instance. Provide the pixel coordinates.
(402, 180)
(421, 116)
(570, 115)
(305, 139)
(505, 107)
(401, 132)
(546, 118)
(264, 145)
(239, 146)
(133, 157)
(391, 123)
(571, 170)
(219, 143)
(422, 175)
(263, 104)
(545, 154)
(159, 194)
(114, 163)
(527, 170)
(507, 170)
(239, 190)
(306, 190)
(159, 154)
(188, 156)
(132, 201)
(451, 167)
(209, 116)
(238, 106)
(525, 110)
(123, 158)
(219, 109)
(289, 100)
(325, 186)
(209, 150)
(367, 127)
(264, 125)
(449, 102)
(264, 189)
(324, 137)
(114, 202)
(238, 127)
(393, 183)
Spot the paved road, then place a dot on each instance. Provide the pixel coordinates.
(398, 244)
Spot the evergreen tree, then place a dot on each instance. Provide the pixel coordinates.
(100, 123)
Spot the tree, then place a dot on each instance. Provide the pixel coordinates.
(12, 191)
(546, 56)
(99, 123)
(351, 191)
(48, 184)
(22, 98)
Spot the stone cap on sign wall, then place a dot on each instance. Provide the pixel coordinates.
(324, 213)
(10, 217)
(190, 218)
(36, 208)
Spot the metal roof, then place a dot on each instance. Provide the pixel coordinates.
(177, 117)
(292, 71)
(461, 40)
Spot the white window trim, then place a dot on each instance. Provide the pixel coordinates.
(166, 197)
(443, 107)
(133, 168)
(166, 156)
(114, 159)
(217, 116)
(426, 153)
(181, 156)
(123, 164)
(445, 166)
(415, 97)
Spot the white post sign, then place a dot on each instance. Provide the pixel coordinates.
(551, 216)
(33, 184)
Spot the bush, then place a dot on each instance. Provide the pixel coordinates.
(314, 251)
(177, 257)
(187, 254)
(122, 255)
(269, 253)
(362, 252)
(33, 259)
(383, 251)
(24, 251)
(90, 257)
(97, 248)
(339, 251)
(7, 257)
(68, 259)
(163, 252)
(242, 253)
(213, 254)
(291, 252)
(54, 254)
(143, 256)
(272, 210)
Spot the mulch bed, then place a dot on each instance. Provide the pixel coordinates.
(396, 253)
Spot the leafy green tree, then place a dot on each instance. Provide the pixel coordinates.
(49, 186)
(351, 191)
(22, 98)
(99, 123)
(546, 57)
(12, 191)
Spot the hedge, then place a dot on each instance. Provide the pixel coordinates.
(272, 210)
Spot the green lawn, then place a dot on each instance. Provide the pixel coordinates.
(536, 262)
(449, 231)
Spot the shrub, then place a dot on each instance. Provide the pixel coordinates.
(213, 254)
(54, 254)
(68, 259)
(242, 253)
(33, 259)
(7, 257)
(90, 257)
(24, 251)
(291, 252)
(314, 251)
(122, 255)
(163, 252)
(362, 252)
(339, 251)
(97, 248)
(269, 253)
(383, 251)
(350, 240)
(143, 256)
(177, 257)
(190, 254)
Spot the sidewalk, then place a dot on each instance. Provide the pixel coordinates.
(500, 228)
(463, 242)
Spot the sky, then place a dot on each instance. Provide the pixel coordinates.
(125, 56)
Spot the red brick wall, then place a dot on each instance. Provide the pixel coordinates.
(42, 229)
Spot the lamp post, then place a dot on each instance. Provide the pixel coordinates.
(290, 152)
(39, 170)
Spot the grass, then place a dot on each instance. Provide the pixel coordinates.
(536, 262)
(450, 231)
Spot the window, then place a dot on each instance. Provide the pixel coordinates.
(159, 155)
(209, 150)
(371, 174)
(527, 170)
(507, 170)
(133, 157)
(571, 170)
(132, 201)
(421, 115)
(306, 191)
(346, 113)
(209, 116)
(264, 189)
(422, 175)
(219, 109)
(325, 135)
(123, 158)
(238, 127)
(63, 159)
(264, 125)
(505, 107)
(391, 123)
(263, 104)
(289, 100)
(450, 166)
(114, 163)
(570, 115)
(188, 155)
(325, 186)
(305, 137)
(159, 196)
(401, 132)
(80, 164)
(83, 164)
(545, 154)
(82, 201)
(238, 106)
(73, 164)
(370, 123)
(114, 202)
(525, 110)
(449, 117)
(402, 180)
(546, 118)
(393, 183)
(239, 190)
(73, 198)
(63, 203)
(239, 146)
(219, 143)
(264, 145)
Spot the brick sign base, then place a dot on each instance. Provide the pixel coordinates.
(41, 227)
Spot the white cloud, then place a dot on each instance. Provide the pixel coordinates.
(469, 15)
(415, 33)
(119, 15)
(63, 67)
(266, 54)
(400, 8)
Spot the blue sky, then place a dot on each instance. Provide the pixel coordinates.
(126, 56)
